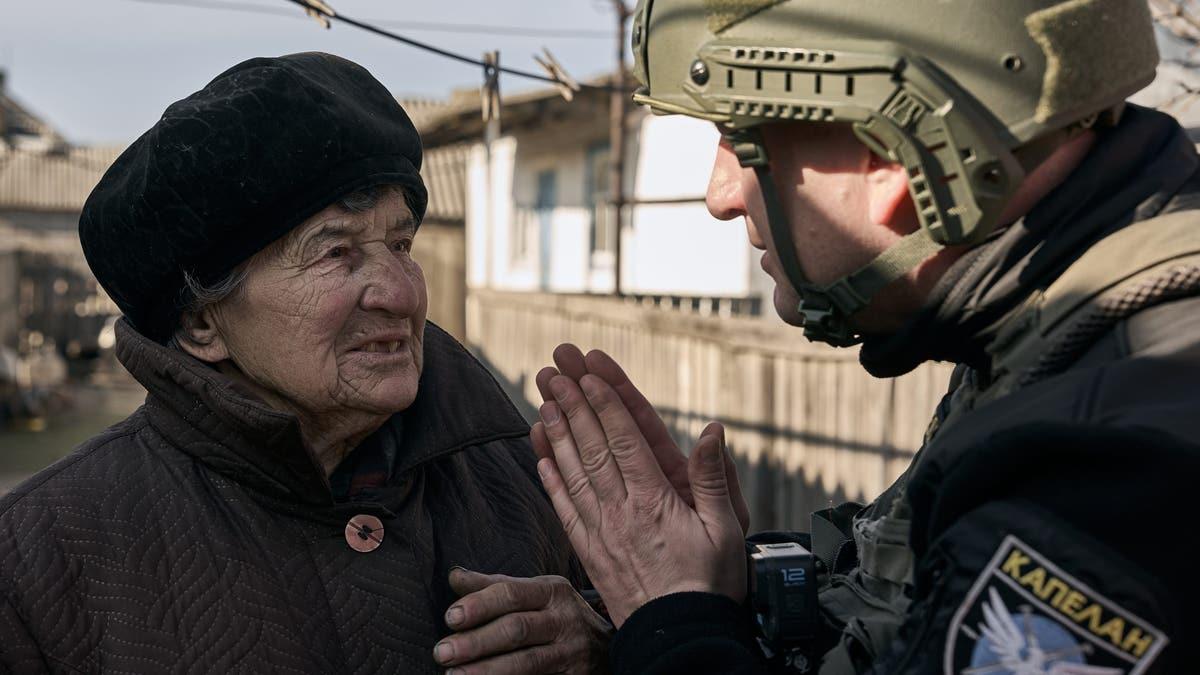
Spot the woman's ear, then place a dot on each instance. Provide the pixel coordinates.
(199, 336)
(889, 204)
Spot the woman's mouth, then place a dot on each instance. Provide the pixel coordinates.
(384, 352)
(383, 347)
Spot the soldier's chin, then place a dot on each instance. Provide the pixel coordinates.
(787, 307)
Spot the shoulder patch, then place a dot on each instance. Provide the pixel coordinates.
(1025, 615)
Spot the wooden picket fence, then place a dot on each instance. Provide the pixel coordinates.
(807, 426)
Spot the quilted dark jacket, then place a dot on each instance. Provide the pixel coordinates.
(200, 536)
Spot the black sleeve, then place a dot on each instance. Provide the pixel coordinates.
(687, 633)
(19, 653)
(1053, 549)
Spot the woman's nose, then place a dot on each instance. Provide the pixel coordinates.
(394, 285)
(724, 196)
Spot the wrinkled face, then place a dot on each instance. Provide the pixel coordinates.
(331, 317)
(822, 174)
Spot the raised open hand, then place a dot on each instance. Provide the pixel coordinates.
(572, 363)
(638, 534)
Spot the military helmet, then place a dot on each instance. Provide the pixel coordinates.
(955, 90)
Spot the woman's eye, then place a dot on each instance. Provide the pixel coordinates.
(336, 252)
(403, 245)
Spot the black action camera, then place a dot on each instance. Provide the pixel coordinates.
(783, 595)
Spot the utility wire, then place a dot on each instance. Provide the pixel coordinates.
(517, 31)
(435, 50)
(317, 10)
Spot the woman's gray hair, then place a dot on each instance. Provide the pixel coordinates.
(196, 296)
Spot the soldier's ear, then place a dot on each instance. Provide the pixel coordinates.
(199, 336)
(889, 203)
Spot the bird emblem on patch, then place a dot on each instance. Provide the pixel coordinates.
(1026, 616)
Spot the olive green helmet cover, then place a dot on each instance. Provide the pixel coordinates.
(948, 88)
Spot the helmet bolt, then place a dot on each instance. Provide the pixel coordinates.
(699, 72)
(1013, 62)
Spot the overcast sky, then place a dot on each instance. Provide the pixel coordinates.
(103, 70)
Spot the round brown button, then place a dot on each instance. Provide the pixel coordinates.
(364, 533)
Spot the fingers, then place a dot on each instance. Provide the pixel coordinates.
(503, 621)
(603, 366)
(710, 486)
(539, 660)
(582, 441)
(464, 582)
(626, 443)
(740, 508)
(488, 596)
(564, 506)
(542, 379)
(564, 453)
(566, 481)
(506, 640)
(670, 459)
(570, 361)
(540, 442)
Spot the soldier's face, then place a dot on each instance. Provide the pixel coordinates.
(831, 188)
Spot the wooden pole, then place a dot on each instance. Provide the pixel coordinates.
(3, 121)
(490, 107)
(618, 111)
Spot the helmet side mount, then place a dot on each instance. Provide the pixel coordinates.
(960, 172)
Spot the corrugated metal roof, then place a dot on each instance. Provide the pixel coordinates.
(40, 181)
(444, 170)
(61, 180)
(460, 120)
(423, 110)
(52, 181)
(19, 121)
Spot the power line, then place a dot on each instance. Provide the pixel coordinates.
(434, 26)
(436, 50)
(516, 31)
(316, 10)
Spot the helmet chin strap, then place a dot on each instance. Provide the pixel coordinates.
(826, 309)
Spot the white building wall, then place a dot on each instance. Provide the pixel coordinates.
(557, 252)
(476, 215)
(669, 249)
(569, 264)
(675, 157)
(557, 258)
(503, 175)
(489, 213)
(680, 249)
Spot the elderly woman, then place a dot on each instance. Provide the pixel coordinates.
(313, 457)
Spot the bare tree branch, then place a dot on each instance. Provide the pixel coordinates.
(1181, 18)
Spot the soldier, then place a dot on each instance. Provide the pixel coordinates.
(936, 180)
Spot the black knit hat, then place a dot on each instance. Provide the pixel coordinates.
(235, 166)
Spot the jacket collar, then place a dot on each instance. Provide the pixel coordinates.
(206, 415)
(1144, 166)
